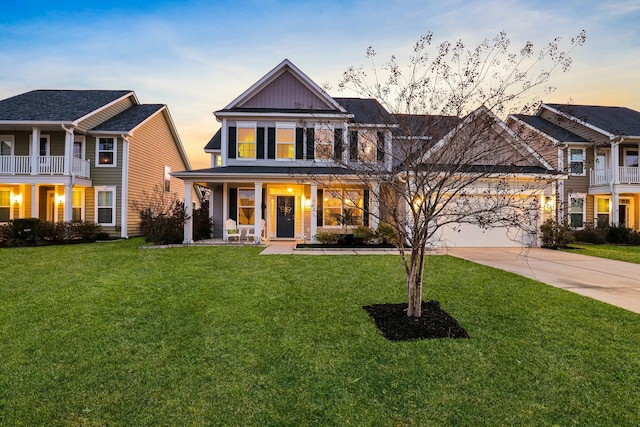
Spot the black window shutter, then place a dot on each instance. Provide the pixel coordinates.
(231, 138)
(311, 139)
(319, 208)
(264, 204)
(380, 146)
(299, 143)
(271, 143)
(365, 208)
(233, 204)
(337, 144)
(260, 143)
(353, 145)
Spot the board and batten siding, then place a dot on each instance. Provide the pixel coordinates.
(104, 115)
(151, 148)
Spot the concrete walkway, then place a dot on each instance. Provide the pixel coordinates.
(613, 282)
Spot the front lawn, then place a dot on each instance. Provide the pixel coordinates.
(616, 252)
(108, 334)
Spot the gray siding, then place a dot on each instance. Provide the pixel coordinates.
(286, 91)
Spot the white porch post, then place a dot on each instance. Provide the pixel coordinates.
(375, 199)
(35, 150)
(615, 162)
(314, 212)
(34, 201)
(68, 151)
(68, 203)
(615, 208)
(257, 217)
(188, 223)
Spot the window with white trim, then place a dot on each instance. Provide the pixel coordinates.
(246, 141)
(105, 205)
(106, 149)
(577, 206)
(342, 206)
(246, 206)
(603, 211)
(285, 141)
(631, 157)
(576, 161)
(77, 205)
(6, 145)
(324, 143)
(367, 145)
(167, 179)
(5, 205)
(78, 147)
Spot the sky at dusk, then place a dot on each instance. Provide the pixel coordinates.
(197, 56)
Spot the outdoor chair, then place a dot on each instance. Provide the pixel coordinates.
(230, 230)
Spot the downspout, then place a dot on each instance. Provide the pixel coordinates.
(124, 199)
(615, 178)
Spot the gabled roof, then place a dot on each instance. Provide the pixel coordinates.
(552, 130)
(367, 111)
(611, 121)
(60, 106)
(215, 143)
(129, 119)
(285, 74)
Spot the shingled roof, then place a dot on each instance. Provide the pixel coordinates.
(129, 119)
(366, 111)
(614, 120)
(56, 105)
(554, 131)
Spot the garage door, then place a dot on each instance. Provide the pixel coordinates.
(468, 235)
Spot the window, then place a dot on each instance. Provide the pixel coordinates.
(576, 210)
(5, 205)
(324, 143)
(217, 160)
(342, 207)
(246, 142)
(631, 158)
(576, 161)
(367, 145)
(246, 206)
(106, 151)
(6, 145)
(167, 179)
(78, 147)
(77, 205)
(285, 141)
(106, 205)
(602, 211)
(44, 145)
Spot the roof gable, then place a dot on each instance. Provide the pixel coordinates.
(551, 130)
(57, 105)
(285, 87)
(129, 119)
(611, 121)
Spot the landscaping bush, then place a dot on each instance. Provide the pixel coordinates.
(162, 217)
(365, 233)
(33, 231)
(386, 233)
(591, 235)
(202, 224)
(618, 234)
(327, 237)
(554, 235)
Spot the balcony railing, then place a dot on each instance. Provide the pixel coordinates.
(47, 165)
(626, 175)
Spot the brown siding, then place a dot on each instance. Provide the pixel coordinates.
(542, 145)
(151, 148)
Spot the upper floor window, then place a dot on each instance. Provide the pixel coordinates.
(246, 141)
(324, 143)
(631, 157)
(363, 146)
(576, 161)
(78, 147)
(106, 151)
(6, 145)
(285, 141)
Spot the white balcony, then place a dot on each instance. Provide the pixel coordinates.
(47, 165)
(626, 175)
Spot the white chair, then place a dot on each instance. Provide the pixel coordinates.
(230, 230)
(251, 233)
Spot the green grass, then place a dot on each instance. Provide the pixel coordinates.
(107, 334)
(616, 252)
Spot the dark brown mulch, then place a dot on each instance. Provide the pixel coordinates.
(393, 323)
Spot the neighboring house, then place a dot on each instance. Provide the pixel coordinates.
(598, 148)
(284, 162)
(85, 155)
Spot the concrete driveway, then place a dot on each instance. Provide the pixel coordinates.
(613, 282)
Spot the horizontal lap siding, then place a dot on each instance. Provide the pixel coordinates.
(151, 148)
(106, 176)
(105, 115)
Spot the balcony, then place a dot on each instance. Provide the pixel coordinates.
(626, 175)
(47, 165)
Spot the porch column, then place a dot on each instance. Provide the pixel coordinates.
(615, 209)
(314, 212)
(35, 150)
(257, 216)
(34, 201)
(375, 206)
(68, 203)
(188, 222)
(68, 151)
(615, 162)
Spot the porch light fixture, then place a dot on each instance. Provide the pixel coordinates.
(307, 202)
(549, 204)
(289, 190)
(16, 199)
(60, 199)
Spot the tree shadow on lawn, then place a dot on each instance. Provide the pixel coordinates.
(393, 323)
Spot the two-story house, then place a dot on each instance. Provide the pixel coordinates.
(85, 155)
(285, 163)
(598, 148)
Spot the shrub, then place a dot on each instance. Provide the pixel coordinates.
(327, 237)
(618, 234)
(386, 233)
(363, 232)
(21, 232)
(591, 235)
(162, 217)
(33, 231)
(554, 235)
(202, 224)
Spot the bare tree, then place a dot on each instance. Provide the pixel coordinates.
(453, 161)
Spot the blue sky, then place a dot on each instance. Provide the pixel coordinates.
(197, 56)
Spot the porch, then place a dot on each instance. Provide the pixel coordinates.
(44, 165)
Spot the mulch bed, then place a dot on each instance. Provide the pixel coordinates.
(393, 323)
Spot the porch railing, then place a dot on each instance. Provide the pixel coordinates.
(626, 175)
(47, 165)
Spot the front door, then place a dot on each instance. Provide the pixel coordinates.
(285, 216)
